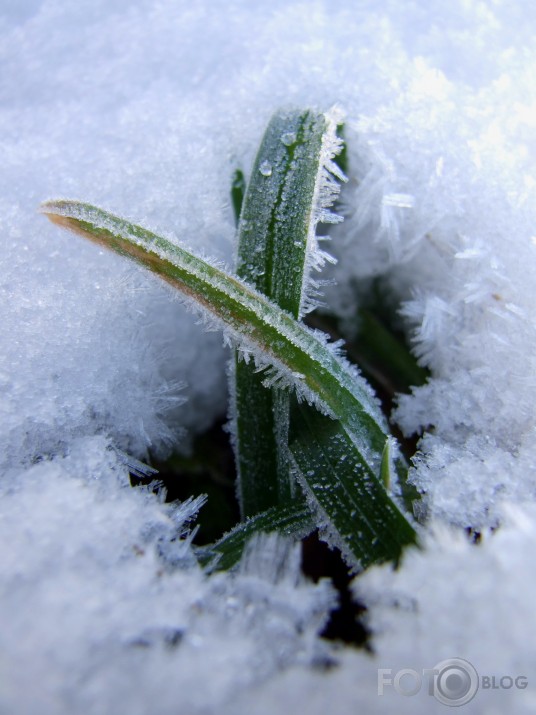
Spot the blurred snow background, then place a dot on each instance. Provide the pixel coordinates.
(145, 108)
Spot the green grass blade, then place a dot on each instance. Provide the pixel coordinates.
(258, 461)
(290, 191)
(277, 229)
(263, 474)
(292, 519)
(354, 510)
(299, 357)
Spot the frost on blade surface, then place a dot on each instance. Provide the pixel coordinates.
(291, 189)
(354, 510)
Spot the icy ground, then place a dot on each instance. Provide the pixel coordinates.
(145, 108)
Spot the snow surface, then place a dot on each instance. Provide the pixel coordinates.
(146, 108)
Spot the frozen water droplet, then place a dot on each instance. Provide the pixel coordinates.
(288, 138)
(265, 168)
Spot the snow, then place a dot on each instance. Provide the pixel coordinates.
(147, 109)
(430, 610)
(118, 616)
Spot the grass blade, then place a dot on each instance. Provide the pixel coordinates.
(292, 519)
(300, 358)
(292, 186)
(354, 510)
(277, 232)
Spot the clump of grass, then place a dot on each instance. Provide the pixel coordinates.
(313, 449)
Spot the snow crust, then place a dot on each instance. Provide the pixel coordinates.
(146, 109)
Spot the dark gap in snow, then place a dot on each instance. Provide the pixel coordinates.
(345, 622)
(208, 469)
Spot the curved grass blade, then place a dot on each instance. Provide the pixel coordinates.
(300, 358)
(292, 519)
(290, 188)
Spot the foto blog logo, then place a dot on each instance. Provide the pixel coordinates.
(452, 682)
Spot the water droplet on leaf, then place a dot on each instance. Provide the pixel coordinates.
(288, 138)
(265, 168)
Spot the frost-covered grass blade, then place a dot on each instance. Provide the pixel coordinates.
(293, 519)
(354, 511)
(298, 357)
(291, 188)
